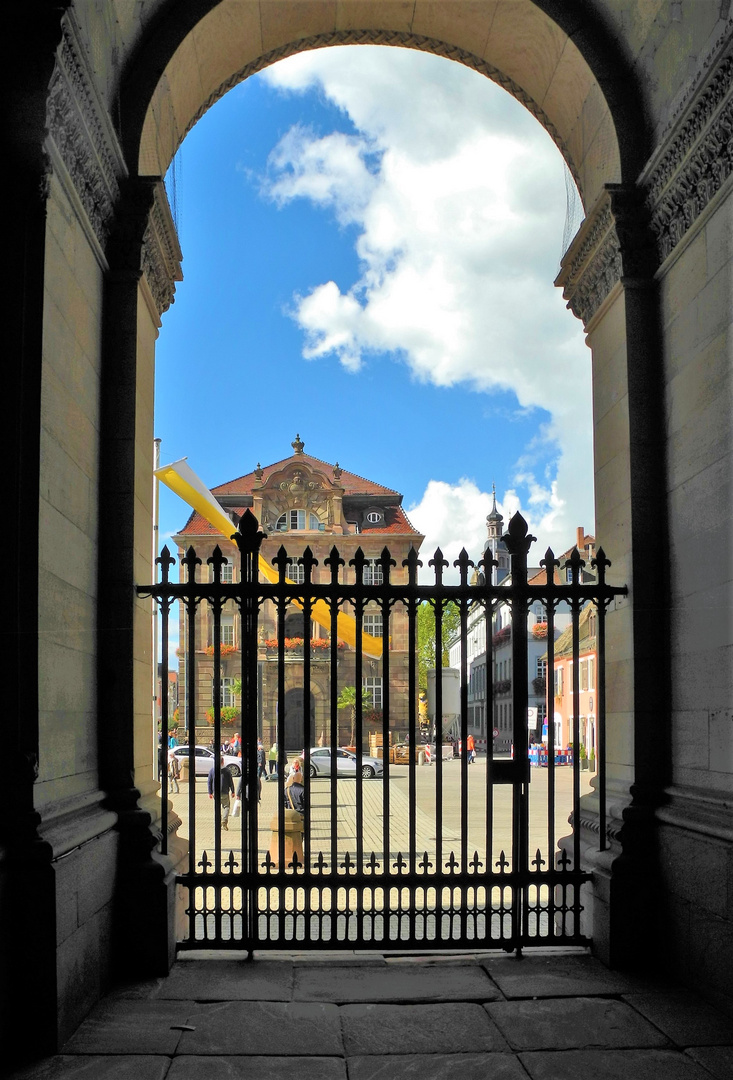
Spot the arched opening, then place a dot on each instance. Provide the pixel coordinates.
(107, 103)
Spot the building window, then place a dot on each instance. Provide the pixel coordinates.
(293, 520)
(227, 630)
(373, 624)
(374, 516)
(583, 674)
(295, 571)
(373, 686)
(227, 573)
(558, 682)
(227, 692)
(373, 572)
(541, 668)
(591, 672)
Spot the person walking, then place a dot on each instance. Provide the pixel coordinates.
(272, 758)
(174, 770)
(471, 747)
(261, 761)
(226, 790)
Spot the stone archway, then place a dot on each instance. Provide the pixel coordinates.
(101, 95)
(520, 46)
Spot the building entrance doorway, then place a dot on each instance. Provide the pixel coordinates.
(297, 734)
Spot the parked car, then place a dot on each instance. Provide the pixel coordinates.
(321, 763)
(205, 758)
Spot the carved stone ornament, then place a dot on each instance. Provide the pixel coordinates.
(161, 253)
(84, 140)
(696, 163)
(78, 127)
(612, 244)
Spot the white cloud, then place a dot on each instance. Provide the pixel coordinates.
(458, 197)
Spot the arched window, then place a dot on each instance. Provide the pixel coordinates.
(296, 519)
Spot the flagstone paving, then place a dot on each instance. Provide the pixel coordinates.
(553, 1015)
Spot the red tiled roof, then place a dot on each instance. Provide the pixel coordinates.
(541, 577)
(395, 521)
(199, 526)
(352, 484)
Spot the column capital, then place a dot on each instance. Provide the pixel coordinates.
(612, 246)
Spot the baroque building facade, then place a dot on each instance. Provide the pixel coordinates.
(304, 504)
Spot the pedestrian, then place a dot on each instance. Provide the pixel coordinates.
(261, 760)
(226, 789)
(294, 790)
(272, 758)
(174, 770)
(471, 747)
(173, 739)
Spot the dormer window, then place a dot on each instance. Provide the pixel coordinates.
(374, 517)
(293, 520)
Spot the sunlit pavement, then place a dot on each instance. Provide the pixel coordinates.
(372, 823)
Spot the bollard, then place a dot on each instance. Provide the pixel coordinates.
(293, 828)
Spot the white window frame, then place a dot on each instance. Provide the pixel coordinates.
(373, 624)
(227, 693)
(373, 574)
(226, 630)
(373, 684)
(295, 572)
(295, 521)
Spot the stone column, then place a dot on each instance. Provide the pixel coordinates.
(607, 278)
(138, 286)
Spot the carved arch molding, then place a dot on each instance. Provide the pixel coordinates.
(627, 235)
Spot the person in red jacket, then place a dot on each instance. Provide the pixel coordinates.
(471, 747)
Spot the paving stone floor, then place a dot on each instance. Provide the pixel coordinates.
(552, 1015)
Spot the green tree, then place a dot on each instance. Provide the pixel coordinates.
(347, 700)
(426, 637)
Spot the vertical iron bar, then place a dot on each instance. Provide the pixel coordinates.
(190, 561)
(163, 752)
(385, 608)
(281, 563)
(489, 707)
(550, 564)
(463, 564)
(249, 539)
(334, 562)
(575, 618)
(518, 541)
(358, 685)
(308, 735)
(601, 563)
(439, 751)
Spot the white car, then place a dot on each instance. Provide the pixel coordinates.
(205, 759)
(321, 763)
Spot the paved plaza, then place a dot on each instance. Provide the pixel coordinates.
(425, 813)
(553, 1015)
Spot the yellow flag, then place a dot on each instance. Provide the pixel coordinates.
(180, 478)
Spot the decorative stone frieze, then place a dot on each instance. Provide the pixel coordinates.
(161, 252)
(611, 245)
(397, 39)
(79, 128)
(692, 166)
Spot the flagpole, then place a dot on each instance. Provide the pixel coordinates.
(156, 552)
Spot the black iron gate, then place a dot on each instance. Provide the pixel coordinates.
(446, 855)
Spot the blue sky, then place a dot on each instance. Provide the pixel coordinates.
(370, 238)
